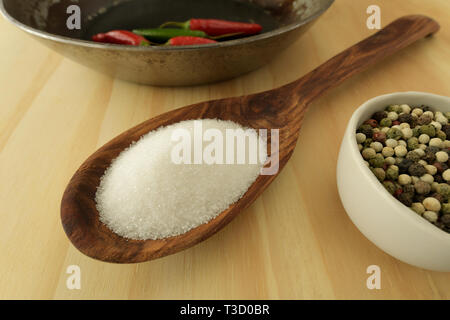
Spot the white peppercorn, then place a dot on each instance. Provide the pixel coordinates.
(422, 162)
(431, 169)
(446, 175)
(400, 151)
(418, 208)
(437, 125)
(360, 137)
(388, 152)
(392, 115)
(442, 156)
(404, 179)
(417, 111)
(420, 152)
(392, 143)
(402, 143)
(441, 119)
(434, 186)
(404, 125)
(428, 178)
(429, 114)
(432, 204)
(430, 216)
(424, 138)
(405, 108)
(435, 142)
(407, 133)
(447, 144)
(377, 146)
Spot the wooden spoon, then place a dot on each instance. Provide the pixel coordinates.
(282, 108)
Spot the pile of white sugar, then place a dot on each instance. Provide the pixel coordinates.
(145, 195)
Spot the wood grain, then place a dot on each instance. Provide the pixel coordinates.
(294, 242)
(281, 108)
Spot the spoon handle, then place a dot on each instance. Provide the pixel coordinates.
(394, 37)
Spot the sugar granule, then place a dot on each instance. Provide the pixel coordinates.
(145, 195)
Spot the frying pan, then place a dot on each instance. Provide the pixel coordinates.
(283, 21)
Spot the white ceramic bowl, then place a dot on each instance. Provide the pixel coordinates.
(384, 220)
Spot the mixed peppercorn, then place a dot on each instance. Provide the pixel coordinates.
(192, 32)
(408, 150)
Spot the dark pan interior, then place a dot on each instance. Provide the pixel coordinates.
(103, 15)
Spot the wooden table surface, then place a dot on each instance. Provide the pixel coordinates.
(295, 242)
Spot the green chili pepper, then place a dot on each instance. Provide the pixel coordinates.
(164, 35)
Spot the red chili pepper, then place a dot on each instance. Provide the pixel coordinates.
(121, 37)
(101, 37)
(398, 192)
(214, 27)
(187, 41)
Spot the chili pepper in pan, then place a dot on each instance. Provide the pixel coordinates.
(215, 27)
(121, 37)
(186, 41)
(164, 35)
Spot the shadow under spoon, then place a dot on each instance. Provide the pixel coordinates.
(282, 108)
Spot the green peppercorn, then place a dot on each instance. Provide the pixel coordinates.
(394, 133)
(413, 143)
(441, 135)
(444, 190)
(390, 108)
(429, 130)
(366, 129)
(447, 115)
(409, 188)
(367, 143)
(416, 132)
(392, 174)
(413, 156)
(377, 161)
(386, 122)
(445, 208)
(389, 186)
(379, 173)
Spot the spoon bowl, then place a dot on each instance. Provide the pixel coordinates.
(283, 108)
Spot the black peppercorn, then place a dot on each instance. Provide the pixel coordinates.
(429, 156)
(380, 115)
(446, 129)
(366, 129)
(406, 199)
(438, 196)
(419, 198)
(404, 165)
(416, 169)
(425, 108)
(409, 188)
(405, 117)
(446, 220)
